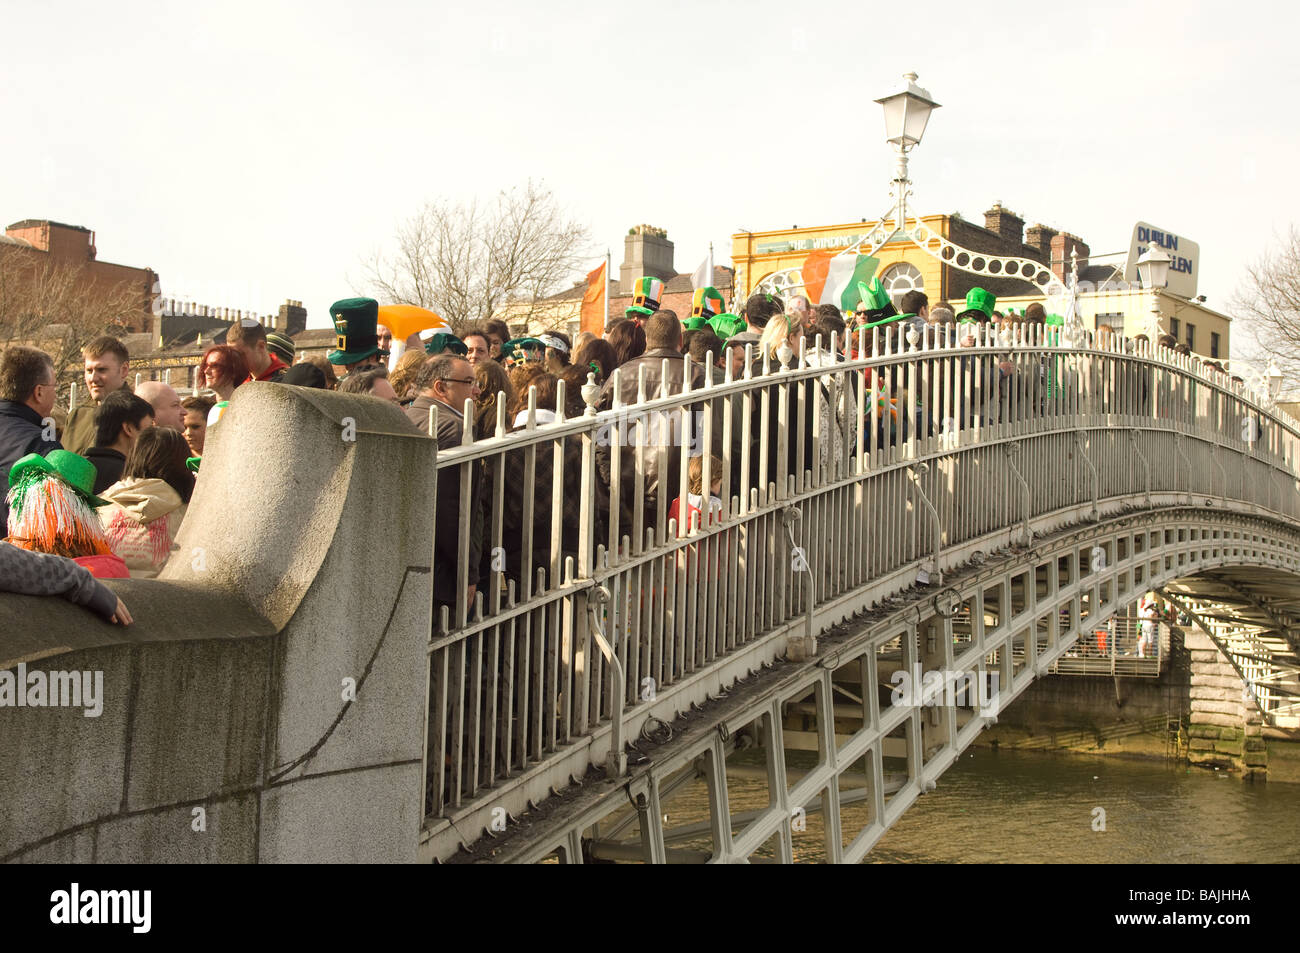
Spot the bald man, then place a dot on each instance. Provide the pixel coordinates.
(166, 404)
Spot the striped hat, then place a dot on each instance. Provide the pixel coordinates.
(280, 345)
(647, 292)
(706, 302)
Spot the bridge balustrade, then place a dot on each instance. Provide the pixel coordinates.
(845, 475)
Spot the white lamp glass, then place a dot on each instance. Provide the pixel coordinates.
(907, 112)
(1153, 268)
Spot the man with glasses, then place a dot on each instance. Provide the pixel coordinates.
(27, 394)
(445, 383)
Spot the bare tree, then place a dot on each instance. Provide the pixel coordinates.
(466, 261)
(1269, 304)
(60, 307)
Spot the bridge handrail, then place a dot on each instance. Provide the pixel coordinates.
(523, 679)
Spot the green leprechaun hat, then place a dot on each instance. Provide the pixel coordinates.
(727, 325)
(355, 321)
(694, 323)
(519, 350)
(647, 292)
(438, 342)
(706, 302)
(879, 309)
(979, 306)
(72, 468)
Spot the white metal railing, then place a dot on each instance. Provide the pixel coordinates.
(838, 469)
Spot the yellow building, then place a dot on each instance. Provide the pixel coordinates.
(1105, 297)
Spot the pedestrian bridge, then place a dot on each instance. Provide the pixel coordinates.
(639, 690)
(966, 511)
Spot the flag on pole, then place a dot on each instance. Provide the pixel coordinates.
(703, 276)
(595, 302)
(829, 278)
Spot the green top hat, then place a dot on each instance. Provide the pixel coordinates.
(355, 320)
(727, 325)
(74, 469)
(440, 341)
(706, 302)
(981, 301)
(695, 322)
(647, 292)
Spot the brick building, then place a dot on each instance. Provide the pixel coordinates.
(36, 247)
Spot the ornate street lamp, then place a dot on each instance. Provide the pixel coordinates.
(1153, 274)
(907, 111)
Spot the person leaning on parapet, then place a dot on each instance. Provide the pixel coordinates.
(250, 338)
(44, 574)
(27, 395)
(446, 383)
(108, 365)
(118, 422)
(356, 322)
(166, 404)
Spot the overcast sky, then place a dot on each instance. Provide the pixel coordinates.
(253, 152)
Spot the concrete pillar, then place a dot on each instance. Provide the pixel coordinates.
(1226, 724)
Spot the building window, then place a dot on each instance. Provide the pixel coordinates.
(1214, 344)
(1173, 327)
(1191, 337)
(899, 279)
(1113, 320)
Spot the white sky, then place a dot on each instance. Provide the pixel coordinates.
(253, 152)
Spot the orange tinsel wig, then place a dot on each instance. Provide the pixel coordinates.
(47, 515)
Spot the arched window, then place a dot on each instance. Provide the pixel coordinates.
(899, 279)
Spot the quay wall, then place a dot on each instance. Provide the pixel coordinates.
(268, 703)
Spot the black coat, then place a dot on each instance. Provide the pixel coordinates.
(21, 433)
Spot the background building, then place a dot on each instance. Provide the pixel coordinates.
(1106, 297)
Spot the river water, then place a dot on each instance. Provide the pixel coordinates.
(1026, 807)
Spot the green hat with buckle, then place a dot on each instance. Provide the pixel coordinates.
(520, 350)
(706, 302)
(72, 468)
(355, 322)
(979, 306)
(727, 325)
(647, 292)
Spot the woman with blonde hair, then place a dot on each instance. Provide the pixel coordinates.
(781, 329)
(403, 376)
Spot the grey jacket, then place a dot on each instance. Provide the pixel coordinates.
(43, 574)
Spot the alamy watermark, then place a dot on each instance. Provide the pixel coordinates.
(965, 689)
(37, 689)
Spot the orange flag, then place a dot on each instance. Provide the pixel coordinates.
(593, 302)
(814, 271)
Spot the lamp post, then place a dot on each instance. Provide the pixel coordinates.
(907, 111)
(1153, 273)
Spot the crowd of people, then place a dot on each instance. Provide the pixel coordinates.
(107, 488)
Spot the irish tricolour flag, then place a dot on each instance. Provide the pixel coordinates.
(829, 278)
